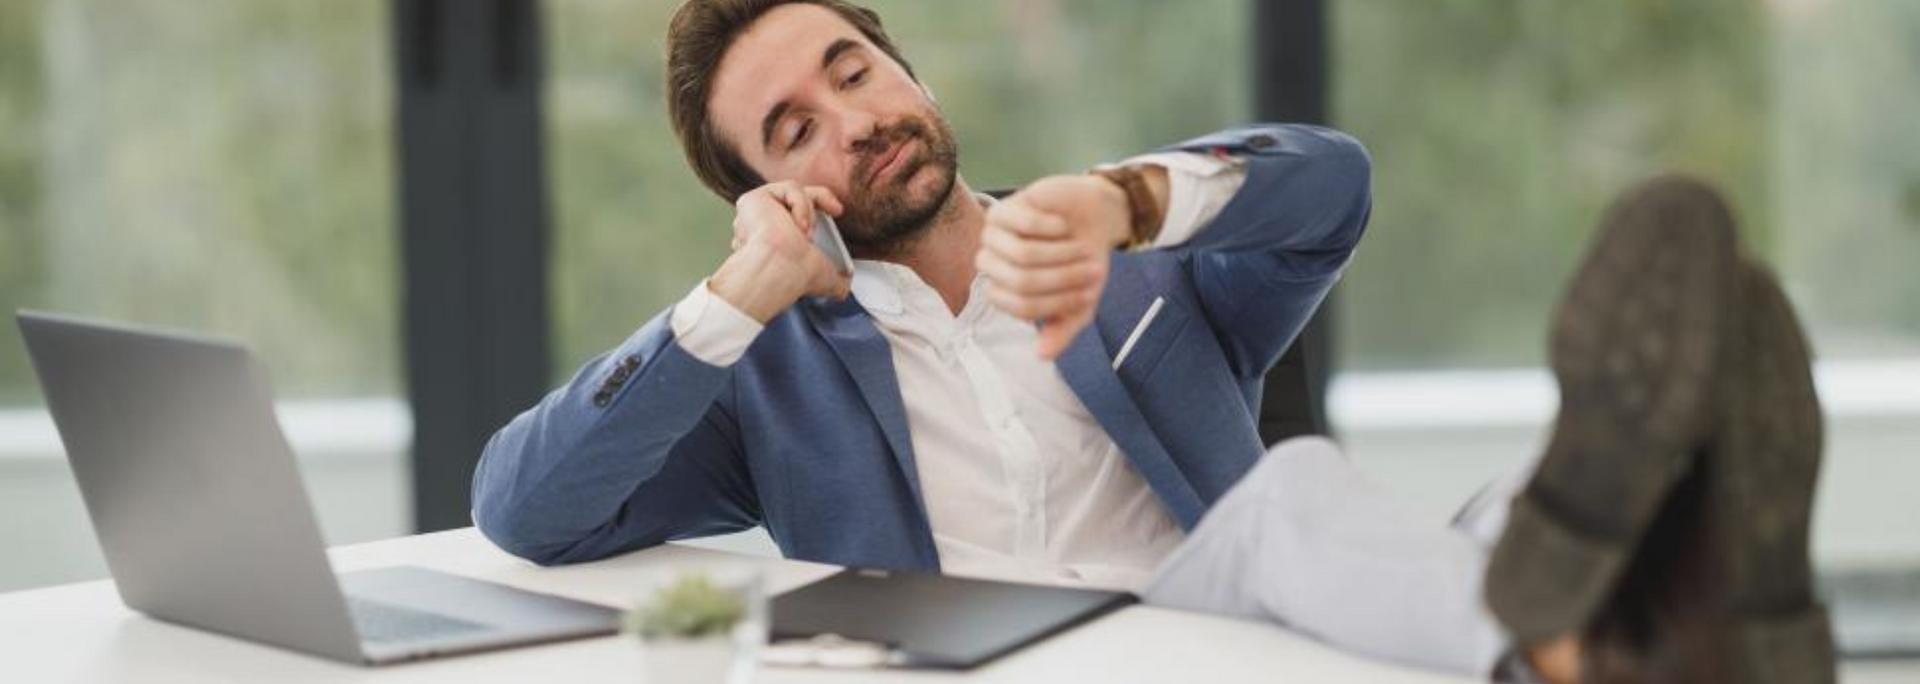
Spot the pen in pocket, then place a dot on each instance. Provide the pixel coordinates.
(1133, 337)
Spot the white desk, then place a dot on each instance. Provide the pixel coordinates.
(82, 633)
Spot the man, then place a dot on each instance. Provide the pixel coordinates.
(926, 421)
(1052, 387)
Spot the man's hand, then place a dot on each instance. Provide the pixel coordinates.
(774, 262)
(1045, 251)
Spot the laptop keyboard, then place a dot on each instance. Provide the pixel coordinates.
(385, 623)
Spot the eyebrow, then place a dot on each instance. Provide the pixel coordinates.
(832, 53)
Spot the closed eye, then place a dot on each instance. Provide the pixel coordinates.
(800, 136)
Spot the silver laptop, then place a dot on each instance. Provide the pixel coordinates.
(200, 510)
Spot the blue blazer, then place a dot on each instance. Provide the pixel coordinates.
(807, 434)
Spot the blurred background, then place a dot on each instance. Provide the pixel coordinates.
(424, 214)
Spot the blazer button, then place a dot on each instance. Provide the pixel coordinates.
(602, 398)
(1261, 141)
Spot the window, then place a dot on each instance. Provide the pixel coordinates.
(1501, 129)
(221, 168)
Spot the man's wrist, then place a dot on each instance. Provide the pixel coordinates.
(735, 284)
(711, 329)
(1160, 189)
(1141, 191)
(1114, 193)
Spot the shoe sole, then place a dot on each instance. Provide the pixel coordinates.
(1635, 347)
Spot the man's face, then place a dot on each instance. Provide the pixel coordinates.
(804, 97)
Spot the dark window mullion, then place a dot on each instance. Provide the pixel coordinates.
(1290, 74)
(474, 233)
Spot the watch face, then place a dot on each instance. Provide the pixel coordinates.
(826, 236)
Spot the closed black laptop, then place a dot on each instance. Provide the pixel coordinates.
(935, 621)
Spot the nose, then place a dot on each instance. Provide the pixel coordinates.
(856, 125)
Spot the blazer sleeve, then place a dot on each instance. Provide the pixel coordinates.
(639, 448)
(1272, 253)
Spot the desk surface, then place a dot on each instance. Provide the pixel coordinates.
(82, 633)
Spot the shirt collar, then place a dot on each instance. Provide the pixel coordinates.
(874, 286)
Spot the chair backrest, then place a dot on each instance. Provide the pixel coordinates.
(1288, 402)
(1288, 406)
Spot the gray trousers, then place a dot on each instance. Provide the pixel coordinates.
(1304, 540)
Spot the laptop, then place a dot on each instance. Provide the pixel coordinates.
(919, 620)
(200, 510)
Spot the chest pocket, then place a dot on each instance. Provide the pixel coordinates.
(1146, 343)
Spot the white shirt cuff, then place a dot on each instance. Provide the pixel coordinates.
(711, 329)
(1198, 187)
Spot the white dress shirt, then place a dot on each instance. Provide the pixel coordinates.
(1019, 481)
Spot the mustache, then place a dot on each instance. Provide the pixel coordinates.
(870, 148)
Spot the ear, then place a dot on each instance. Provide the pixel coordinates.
(929, 91)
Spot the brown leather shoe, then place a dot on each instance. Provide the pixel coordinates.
(1763, 467)
(1637, 345)
(1699, 571)
(1721, 588)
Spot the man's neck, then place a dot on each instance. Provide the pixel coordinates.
(943, 257)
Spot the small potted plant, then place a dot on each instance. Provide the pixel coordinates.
(700, 630)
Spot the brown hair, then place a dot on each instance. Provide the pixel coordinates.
(697, 39)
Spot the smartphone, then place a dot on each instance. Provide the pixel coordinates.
(826, 236)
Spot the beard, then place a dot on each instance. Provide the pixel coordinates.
(884, 217)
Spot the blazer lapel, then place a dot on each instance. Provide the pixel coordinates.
(850, 332)
(1089, 371)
